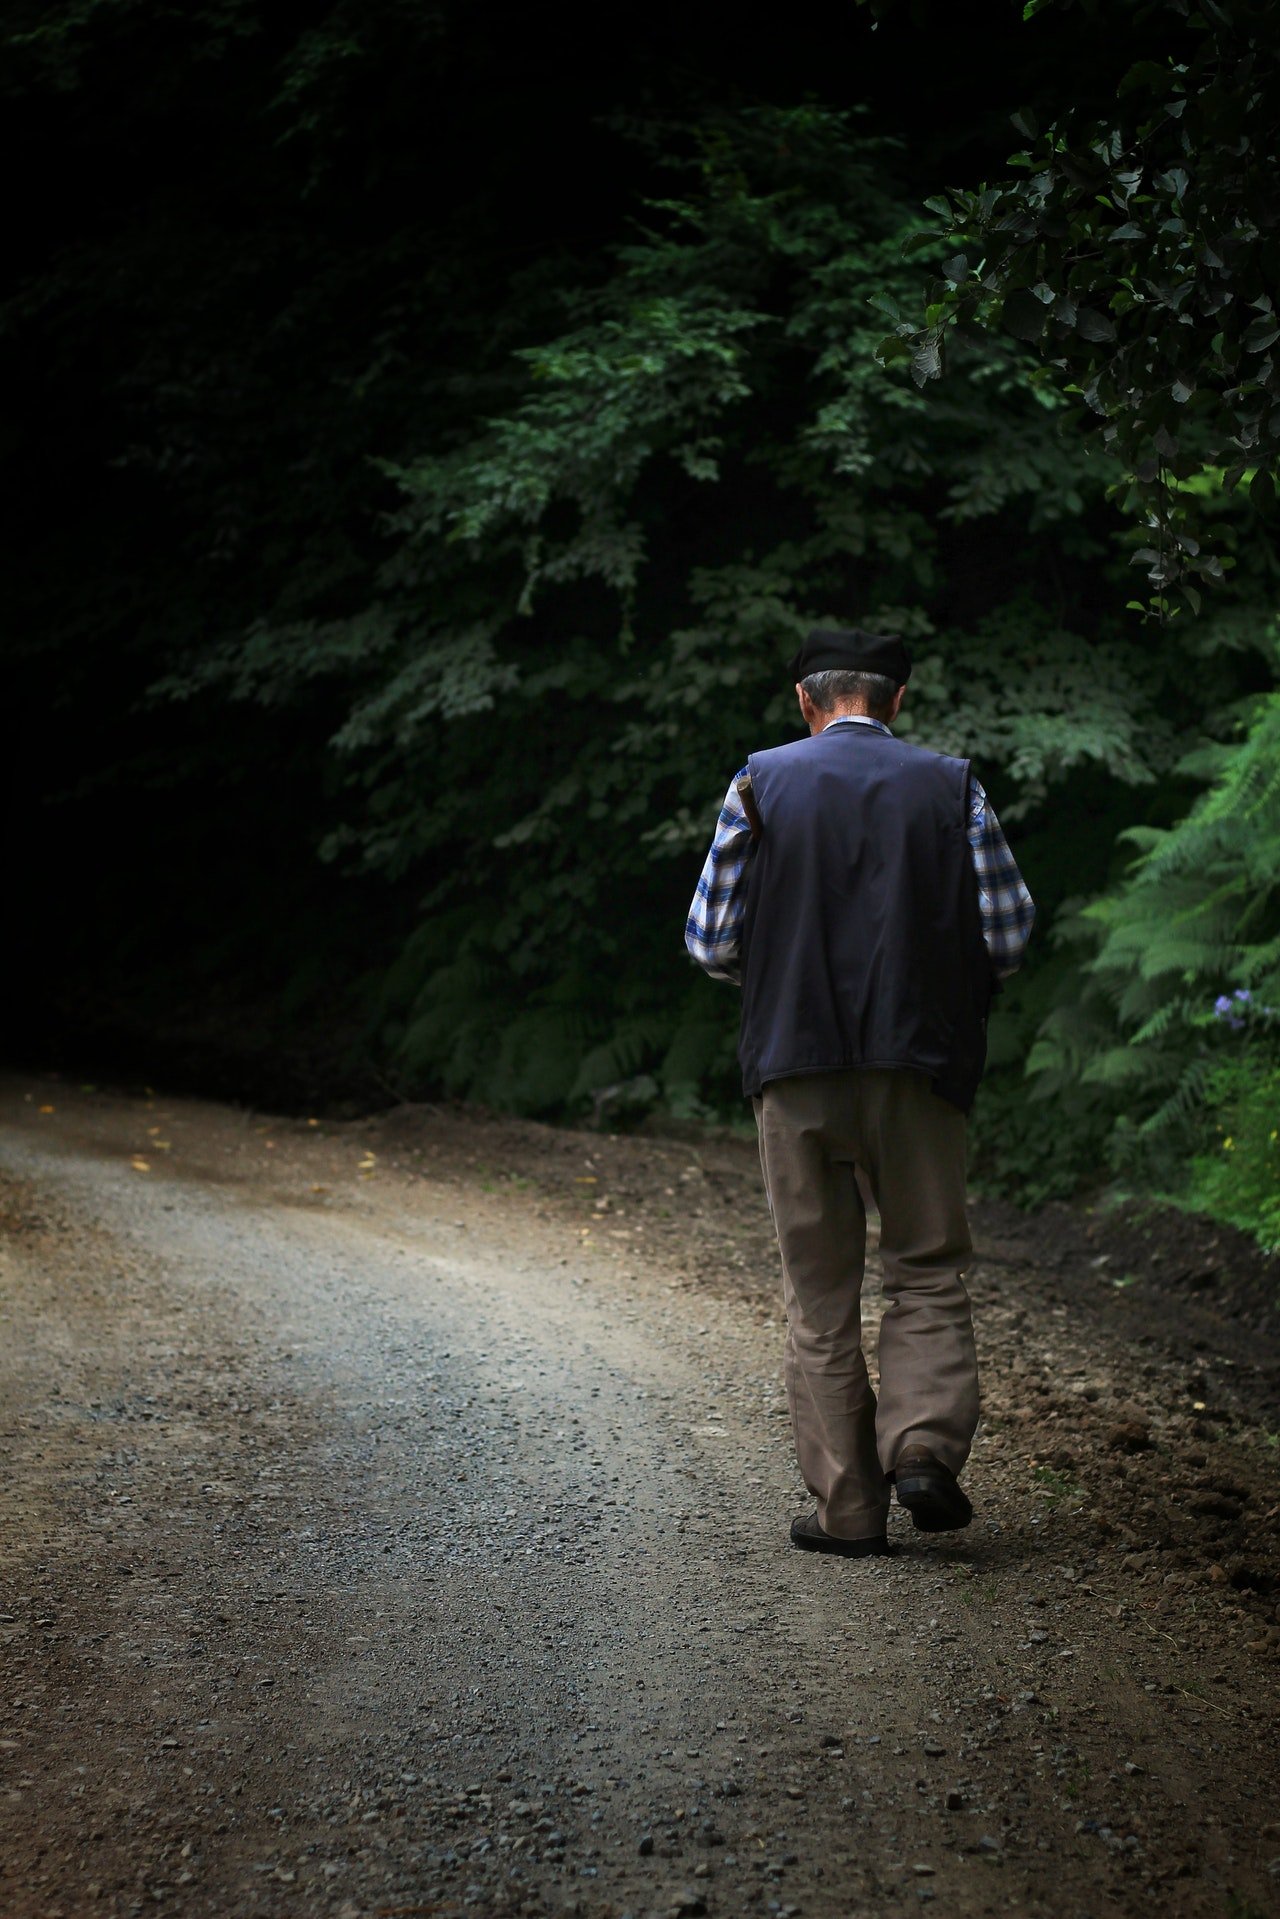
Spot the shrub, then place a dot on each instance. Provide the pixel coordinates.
(1239, 1181)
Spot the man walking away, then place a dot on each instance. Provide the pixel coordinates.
(861, 892)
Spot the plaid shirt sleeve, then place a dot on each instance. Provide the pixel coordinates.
(713, 930)
(1008, 910)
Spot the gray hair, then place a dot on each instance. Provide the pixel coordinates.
(828, 690)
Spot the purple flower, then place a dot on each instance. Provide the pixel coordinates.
(1240, 1011)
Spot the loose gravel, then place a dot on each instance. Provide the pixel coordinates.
(395, 1522)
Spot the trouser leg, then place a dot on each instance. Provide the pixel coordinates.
(912, 1149)
(818, 1212)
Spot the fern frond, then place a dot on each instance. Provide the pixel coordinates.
(1173, 1013)
(628, 1050)
(1187, 1098)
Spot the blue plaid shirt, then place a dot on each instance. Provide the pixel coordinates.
(713, 931)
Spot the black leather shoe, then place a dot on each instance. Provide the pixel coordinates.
(929, 1491)
(807, 1533)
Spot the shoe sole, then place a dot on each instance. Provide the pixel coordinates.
(843, 1548)
(935, 1506)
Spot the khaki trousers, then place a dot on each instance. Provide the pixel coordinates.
(819, 1134)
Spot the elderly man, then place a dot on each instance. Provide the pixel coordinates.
(861, 891)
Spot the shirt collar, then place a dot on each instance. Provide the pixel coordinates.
(857, 719)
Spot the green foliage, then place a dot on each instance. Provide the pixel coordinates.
(1240, 1181)
(1022, 1147)
(579, 622)
(416, 511)
(1031, 1151)
(1137, 256)
(1169, 1021)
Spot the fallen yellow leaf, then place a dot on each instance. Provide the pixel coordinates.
(47, 1109)
(319, 1189)
(140, 1165)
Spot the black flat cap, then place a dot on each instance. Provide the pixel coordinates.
(847, 649)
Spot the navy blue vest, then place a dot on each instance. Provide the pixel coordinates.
(862, 943)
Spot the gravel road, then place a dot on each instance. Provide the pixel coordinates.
(378, 1538)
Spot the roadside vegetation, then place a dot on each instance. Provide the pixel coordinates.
(429, 458)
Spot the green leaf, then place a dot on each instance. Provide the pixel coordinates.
(1095, 326)
(1024, 315)
(926, 362)
(1174, 181)
(1261, 333)
(892, 347)
(1149, 74)
(1262, 491)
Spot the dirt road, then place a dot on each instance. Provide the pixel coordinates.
(394, 1521)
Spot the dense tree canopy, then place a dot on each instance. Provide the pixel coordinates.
(1139, 253)
(428, 451)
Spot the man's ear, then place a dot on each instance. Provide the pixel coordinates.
(897, 704)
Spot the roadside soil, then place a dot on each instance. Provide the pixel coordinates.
(394, 1521)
